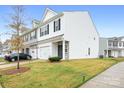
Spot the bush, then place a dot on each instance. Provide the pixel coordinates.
(111, 57)
(54, 59)
(101, 56)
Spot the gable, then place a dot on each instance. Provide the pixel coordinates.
(48, 14)
(122, 39)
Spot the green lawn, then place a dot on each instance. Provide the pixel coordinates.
(1, 59)
(63, 75)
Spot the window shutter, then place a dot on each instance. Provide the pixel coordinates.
(40, 32)
(54, 26)
(59, 24)
(48, 29)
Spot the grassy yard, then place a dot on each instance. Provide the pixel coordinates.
(63, 75)
(1, 59)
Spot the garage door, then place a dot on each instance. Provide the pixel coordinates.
(44, 52)
(33, 53)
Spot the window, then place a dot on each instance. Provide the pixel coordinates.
(66, 46)
(89, 51)
(44, 30)
(57, 25)
(123, 44)
(120, 44)
(94, 38)
(26, 37)
(109, 43)
(33, 35)
(115, 43)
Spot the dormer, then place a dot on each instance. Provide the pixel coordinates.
(35, 23)
(48, 14)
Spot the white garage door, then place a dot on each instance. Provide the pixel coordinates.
(44, 52)
(33, 53)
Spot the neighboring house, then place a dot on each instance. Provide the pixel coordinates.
(1, 49)
(112, 47)
(69, 35)
(6, 47)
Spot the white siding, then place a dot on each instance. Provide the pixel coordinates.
(51, 31)
(122, 52)
(80, 32)
(115, 53)
(48, 14)
(102, 45)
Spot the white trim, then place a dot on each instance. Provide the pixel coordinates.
(63, 50)
(47, 10)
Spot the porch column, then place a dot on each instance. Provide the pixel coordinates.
(107, 53)
(37, 51)
(107, 48)
(63, 51)
(51, 50)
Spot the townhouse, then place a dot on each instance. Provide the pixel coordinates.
(6, 47)
(112, 47)
(69, 35)
(1, 48)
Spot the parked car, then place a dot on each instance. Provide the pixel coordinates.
(14, 57)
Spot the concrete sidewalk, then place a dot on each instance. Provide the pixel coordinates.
(111, 78)
(2, 63)
(15, 64)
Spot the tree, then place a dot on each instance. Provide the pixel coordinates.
(17, 21)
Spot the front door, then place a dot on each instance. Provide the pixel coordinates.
(109, 53)
(60, 51)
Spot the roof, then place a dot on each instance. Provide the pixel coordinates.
(49, 13)
(36, 21)
(23, 29)
(45, 19)
(43, 23)
(116, 38)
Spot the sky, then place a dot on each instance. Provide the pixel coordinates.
(109, 20)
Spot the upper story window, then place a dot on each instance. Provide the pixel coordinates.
(26, 37)
(109, 43)
(120, 44)
(57, 25)
(44, 30)
(33, 35)
(115, 43)
(30, 36)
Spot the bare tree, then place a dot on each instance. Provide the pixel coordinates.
(17, 20)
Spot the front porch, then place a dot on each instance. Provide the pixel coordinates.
(113, 53)
(60, 49)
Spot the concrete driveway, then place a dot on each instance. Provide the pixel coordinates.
(111, 78)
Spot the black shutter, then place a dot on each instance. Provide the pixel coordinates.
(59, 24)
(48, 29)
(40, 32)
(54, 26)
(35, 33)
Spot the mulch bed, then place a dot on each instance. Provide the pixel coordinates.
(15, 71)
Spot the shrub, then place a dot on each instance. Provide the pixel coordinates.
(101, 56)
(54, 59)
(111, 57)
